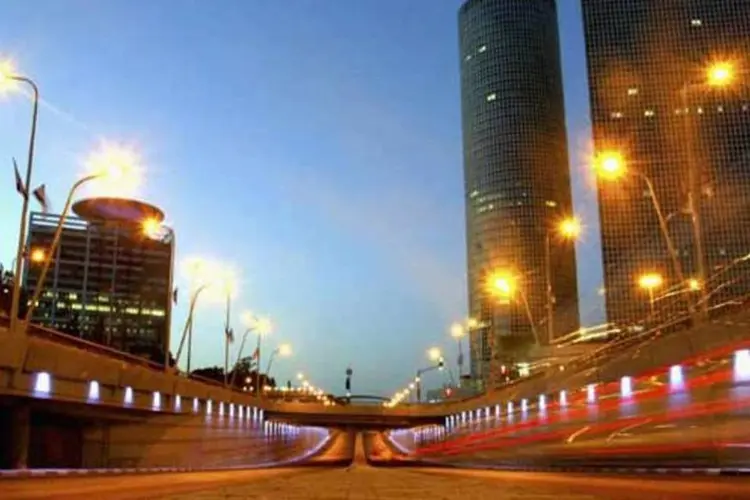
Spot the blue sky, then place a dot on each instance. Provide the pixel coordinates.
(313, 144)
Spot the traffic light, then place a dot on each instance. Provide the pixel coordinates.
(441, 363)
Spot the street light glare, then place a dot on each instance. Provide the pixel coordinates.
(570, 228)
(7, 74)
(650, 281)
(457, 330)
(151, 227)
(285, 350)
(117, 169)
(609, 165)
(434, 354)
(37, 255)
(502, 284)
(720, 74)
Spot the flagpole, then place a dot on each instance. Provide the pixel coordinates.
(239, 355)
(20, 251)
(227, 333)
(257, 369)
(171, 299)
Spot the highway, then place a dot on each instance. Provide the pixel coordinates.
(356, 478)
(700, 425)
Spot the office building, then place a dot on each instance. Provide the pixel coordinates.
(517, 178)
(669, 95)
(109, 283)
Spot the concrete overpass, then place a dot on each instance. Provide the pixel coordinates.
(110, 409)
(116, 409)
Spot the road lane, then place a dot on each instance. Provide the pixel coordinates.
(365, 483)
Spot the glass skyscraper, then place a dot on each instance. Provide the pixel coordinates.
(517, 179)
(657, 104)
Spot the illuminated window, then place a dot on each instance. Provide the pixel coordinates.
(491, 97)
(483, 48)
(616, 114)
(649, 113)
(696, 23)
(632, 91)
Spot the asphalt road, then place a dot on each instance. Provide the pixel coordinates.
(364, 482)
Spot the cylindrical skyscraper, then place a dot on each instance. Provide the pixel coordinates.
(517, 181)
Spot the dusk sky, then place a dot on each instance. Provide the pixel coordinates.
(314, 145)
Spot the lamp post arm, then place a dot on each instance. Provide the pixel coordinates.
(53, 247)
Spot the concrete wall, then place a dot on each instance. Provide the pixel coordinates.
(196, 441)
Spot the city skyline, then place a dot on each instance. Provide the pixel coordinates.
(292, 216)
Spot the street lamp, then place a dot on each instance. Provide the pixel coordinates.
(504, 285)
(568, 229)
(37, 255)
(610, 165)
(152, 228)
(717, 75)
(720, 74)
(284, 350)
(104, 171)
(198, 273)
(261, 326)
(8, 76)
(650, 282)
(458, 332)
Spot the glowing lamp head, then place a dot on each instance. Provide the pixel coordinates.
(570, 228)
(151, 227)
(650, 281)
(457, 330)
(609, 165)
(37, 255)
(116, 169)
(720, 74)
(502, 284)
(8, 75)
(285, 350)
(434, 354)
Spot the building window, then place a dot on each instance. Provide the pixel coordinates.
(491, 97)
(696, 23)
(483, 48)
(632, 91)
(649, 113)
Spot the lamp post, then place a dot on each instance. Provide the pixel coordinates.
(435, 356)
(261, 326)
(650, 282)
(187, 332)
(504, 285)
(718, 75)
(458, 332)
(152, 228)
(55, 243)
(7, 75)
(569, 229)
(283, 350)
(610, 165)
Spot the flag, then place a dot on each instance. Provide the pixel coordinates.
(230, 334)
(256, 354)
(41, 196)
(19, 183)
(174, 295)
